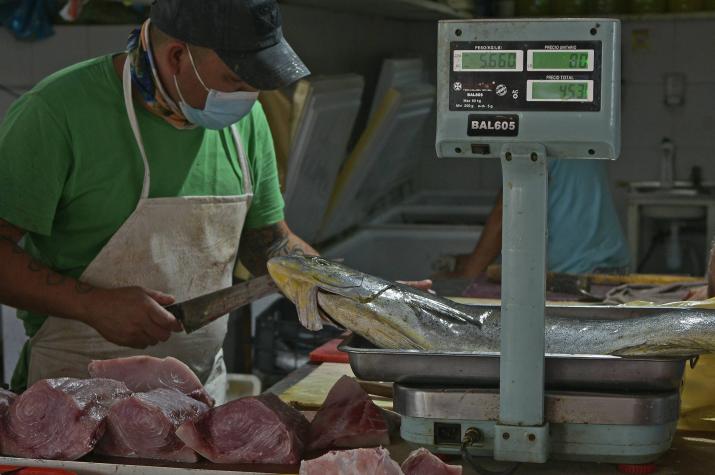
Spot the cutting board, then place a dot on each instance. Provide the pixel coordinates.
(329, 353)
(310, 393)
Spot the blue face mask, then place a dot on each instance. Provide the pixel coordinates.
(222, 109)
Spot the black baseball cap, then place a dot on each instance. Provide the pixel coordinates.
(246, 34)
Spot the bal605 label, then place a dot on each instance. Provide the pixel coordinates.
(493, 125)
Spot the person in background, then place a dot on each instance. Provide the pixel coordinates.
(584, 233)
(707, 291)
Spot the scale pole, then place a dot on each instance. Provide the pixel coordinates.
(522, 434)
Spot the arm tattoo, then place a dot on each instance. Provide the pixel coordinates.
(260, 245)
(12, 235)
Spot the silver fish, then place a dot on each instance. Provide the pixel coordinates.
(395, 316)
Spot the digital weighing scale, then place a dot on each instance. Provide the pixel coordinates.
(528, 91)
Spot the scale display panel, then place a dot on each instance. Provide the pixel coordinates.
(554, 82)
(469, 60)
(559, 91)
(561, 60)
(528, 76)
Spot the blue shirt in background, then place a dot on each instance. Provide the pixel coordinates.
(584, 231)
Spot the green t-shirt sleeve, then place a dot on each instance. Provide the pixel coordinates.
(35, 158)
(267, 206)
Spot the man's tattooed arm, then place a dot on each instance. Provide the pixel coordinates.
(11, 235)
(26, 282)
(260, 245)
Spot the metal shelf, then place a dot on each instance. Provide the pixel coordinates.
(419, 10)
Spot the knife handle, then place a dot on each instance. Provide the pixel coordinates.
(176, 310)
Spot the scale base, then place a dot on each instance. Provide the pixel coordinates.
(582, 426)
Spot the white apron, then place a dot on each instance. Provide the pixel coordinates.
(183, 246)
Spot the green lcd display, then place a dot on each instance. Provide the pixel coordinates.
(560, 91)
(486, 60)
(561, 60)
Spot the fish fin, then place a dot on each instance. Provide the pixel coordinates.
(308, 313)
(446, 310)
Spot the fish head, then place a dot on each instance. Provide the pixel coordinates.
(300, 278)
(387, 322)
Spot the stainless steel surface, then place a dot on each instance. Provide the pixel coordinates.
(560, 406)
(581, 372)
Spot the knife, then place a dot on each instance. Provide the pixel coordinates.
(200, 311)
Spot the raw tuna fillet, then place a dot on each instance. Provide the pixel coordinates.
(6, 398)
(144, 426)
(375, 461)
(348, 419)
(59, 418)
(423, 462)
(260, 429)
(141, 374)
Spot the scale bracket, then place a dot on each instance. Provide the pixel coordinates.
(521, 444)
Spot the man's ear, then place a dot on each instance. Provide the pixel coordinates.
(174, 52)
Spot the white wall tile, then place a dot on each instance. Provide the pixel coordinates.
(68, 46)
(637, 163)
(693, 50)
(647, 49)
(107, 39)
(645, 118)
(694, 122)
(16, 59)
(5, 101)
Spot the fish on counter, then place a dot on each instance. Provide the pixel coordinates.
(424, 462)
(376, 461)
(348, 419)
(144, 426)
(59, 419)
(394, 316)
(145, 373)
(261, 429)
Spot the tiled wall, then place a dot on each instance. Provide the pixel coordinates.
(652, 50)
(25, 63)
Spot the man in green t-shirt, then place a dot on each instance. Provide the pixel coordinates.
(133, 177)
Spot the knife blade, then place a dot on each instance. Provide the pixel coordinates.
(200, 311)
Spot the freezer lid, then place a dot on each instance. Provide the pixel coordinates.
(329, 106)
(395, 73)
(381, 159)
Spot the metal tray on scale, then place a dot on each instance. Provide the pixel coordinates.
(459, 369)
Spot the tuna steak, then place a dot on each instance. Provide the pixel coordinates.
(59, 418)
(423, 462)
(348, 419)
(374, 461)
(144, 426)
(260, 429)
(143, 373)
